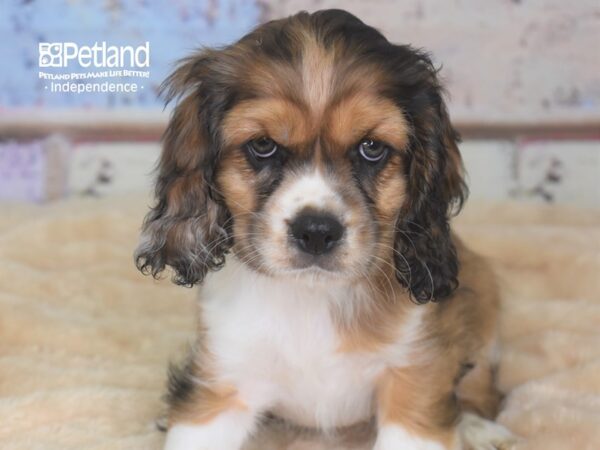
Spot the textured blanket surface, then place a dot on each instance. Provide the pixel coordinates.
(85, 340)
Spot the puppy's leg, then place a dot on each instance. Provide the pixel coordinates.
(396, 436)
(416, 411)
(211, 418)
(477, 391)
(227, 431)
(205, 414)
(480, 400)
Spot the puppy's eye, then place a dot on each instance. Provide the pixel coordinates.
(262, 147)
(371, 150)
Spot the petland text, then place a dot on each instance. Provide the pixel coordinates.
(99, 55)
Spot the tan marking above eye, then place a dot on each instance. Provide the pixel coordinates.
(362, 114)
(291, 125)
(281, 120)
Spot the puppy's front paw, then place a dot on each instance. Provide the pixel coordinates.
(226, 431)
(478, 433)
(395, 437)
(215, 435)
(187, 437)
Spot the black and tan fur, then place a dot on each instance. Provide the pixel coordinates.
(317, 84)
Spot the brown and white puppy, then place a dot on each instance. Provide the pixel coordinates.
(314, 164)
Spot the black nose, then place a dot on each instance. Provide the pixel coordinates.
(316, 233)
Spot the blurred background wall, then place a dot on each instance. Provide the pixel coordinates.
(523, 78)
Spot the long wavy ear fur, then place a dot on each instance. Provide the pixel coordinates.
(436, 188)
(186, 229)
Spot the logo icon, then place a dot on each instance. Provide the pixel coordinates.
(50, 54)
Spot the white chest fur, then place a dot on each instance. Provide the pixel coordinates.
(276, 341)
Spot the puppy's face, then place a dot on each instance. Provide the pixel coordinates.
(313, 177)
(311, 147)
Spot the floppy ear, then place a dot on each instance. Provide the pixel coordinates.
(187, 227)
(429, 264)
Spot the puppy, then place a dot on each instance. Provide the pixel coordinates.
(306, 182)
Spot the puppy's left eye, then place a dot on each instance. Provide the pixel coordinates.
(262, 147)
(371, 150)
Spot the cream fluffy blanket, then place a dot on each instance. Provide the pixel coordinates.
(85, 339)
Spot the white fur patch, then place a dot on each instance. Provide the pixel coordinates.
(227, 431)
(478, 433)
(312, 189)
(276, 341)
(395, 437)
(307, 190)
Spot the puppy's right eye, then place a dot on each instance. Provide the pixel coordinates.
(262, 147)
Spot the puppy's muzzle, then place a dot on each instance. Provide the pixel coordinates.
(316, 233)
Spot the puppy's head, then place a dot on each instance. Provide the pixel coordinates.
(313, 146)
